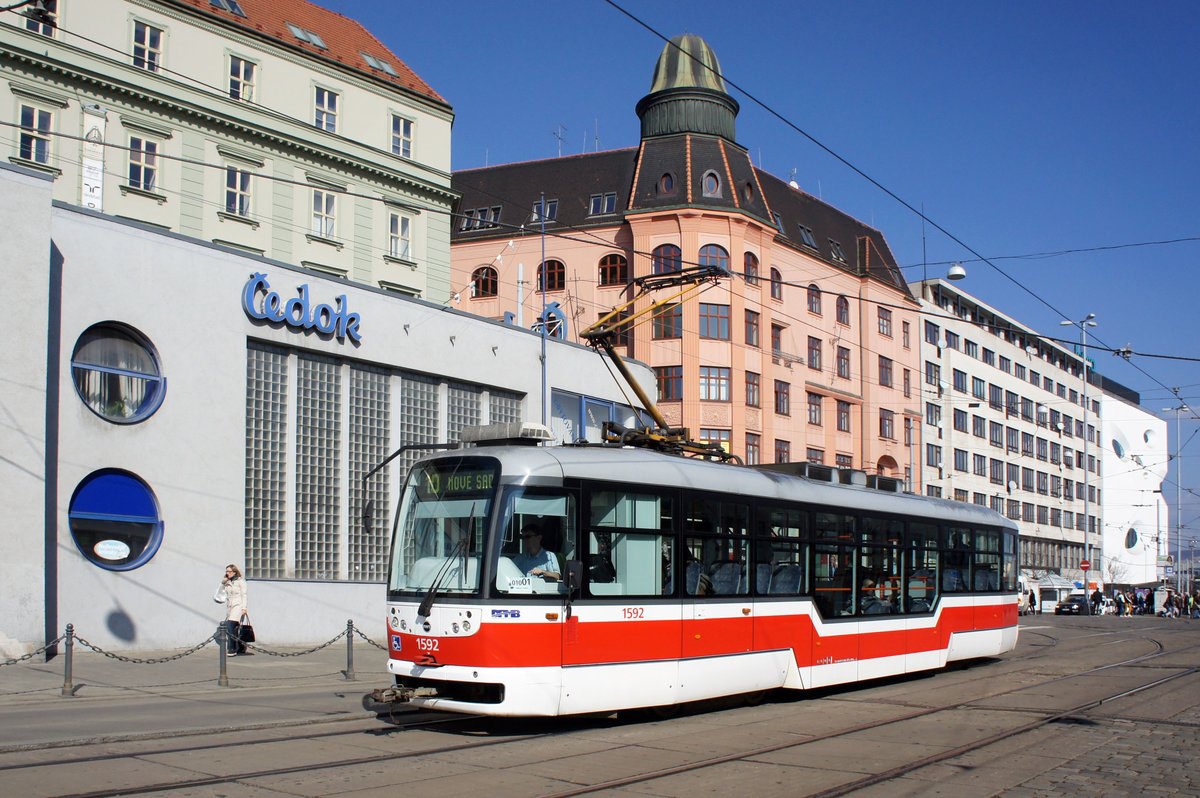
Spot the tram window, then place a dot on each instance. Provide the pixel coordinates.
(921, 567)
(1009, 572)
(834, 579)
(780, 558)
(628, 552)
(985, 574)
(539, 534)
(716, 551)
(879, 565)
(956, 559)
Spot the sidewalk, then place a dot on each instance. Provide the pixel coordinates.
(113, 699)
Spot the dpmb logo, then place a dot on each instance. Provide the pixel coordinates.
(299, 312)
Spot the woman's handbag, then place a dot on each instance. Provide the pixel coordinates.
(245, 630)
(219, 595)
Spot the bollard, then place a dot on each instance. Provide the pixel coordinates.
(220, 636)
(68, 688)
(349, 672)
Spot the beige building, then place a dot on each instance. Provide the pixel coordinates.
(805, 348)
(273, 127)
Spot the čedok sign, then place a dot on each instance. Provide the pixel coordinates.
(298, 312)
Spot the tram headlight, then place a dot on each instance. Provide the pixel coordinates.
(395, 622)
(466, 626)
(404, 625)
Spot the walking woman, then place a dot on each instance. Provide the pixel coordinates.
(235, 608)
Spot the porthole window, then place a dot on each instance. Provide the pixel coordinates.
(711, 184)
(1131, 538)
(1118, 449)
(114, 520)
(116, 373)
(666, 184)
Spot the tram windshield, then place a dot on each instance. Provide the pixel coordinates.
(441, 526)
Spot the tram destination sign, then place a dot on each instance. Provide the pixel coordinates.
(456, 483)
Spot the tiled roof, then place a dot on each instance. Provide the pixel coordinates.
(346, 40)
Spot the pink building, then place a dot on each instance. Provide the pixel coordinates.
(808, 350)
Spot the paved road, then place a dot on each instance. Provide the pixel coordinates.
(315, 740)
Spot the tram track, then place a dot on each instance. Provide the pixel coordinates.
(244, 776)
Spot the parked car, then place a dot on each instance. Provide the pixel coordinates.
(1075, 604)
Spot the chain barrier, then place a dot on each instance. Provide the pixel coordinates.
(136, 661)
(32, 654)
(358, 632)
(270, 653)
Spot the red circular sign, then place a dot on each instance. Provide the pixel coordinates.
(1085, 564)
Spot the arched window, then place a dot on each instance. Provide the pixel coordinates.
(843, 310)
(484, 282)
(116, 373)
(614, 270)
(665, 259)
(814, 299)
(776, 284)
(114, 520)
(552, 276)
(713, 255)
(751, 272)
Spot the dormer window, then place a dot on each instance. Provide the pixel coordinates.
(551, 211)
(232, 6)
(836, 250)
(666, 184)
(307, 36)
(711, 184)
(807, 238)
(378, 63)
(603, 203)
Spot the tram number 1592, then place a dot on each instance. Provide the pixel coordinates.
(427, 644)
(633, 613)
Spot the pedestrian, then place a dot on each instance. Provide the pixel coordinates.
(1120, 599)
(1097, 601)
(236, 609)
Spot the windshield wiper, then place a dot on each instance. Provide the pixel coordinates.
(459, 548)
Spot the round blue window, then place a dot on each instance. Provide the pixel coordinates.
(114, 520)
(1131, 538)
(116, 373)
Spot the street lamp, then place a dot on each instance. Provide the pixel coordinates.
(1178, 499)
(1083, 325)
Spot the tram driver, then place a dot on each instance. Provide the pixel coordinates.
(534, 560)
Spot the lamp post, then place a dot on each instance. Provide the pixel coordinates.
(1083, 325)
(1182, 408)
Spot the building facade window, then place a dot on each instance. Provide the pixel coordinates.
(43, 21)
(544, 212)
(814, 299)
(783, 451)
(670, 383)
(325, 109)
(715, 257)
(552, 276)
(484, 282)
(843, 362)
(237, 191)
(843, 311)
(241, 78)
(753, 389)
(783, 398)
(887, 424)
(905, 334)
(114, 520)
(614, 269)
(324, 213)
(402, 132)
(399, 236)
(776, 339)
(814, 353)
(116, 373)
(843, 416)
(33, 143)
(814, 455)
(714, 383)
(813, 401)
(753, 448)
(885, 371)
(752, 328)
(750, 265)
(143, 163)
(668, 322)
(776, 284)
(665, 259)
(885, 323)
(710, 184)
(714, 321)
(602, 204)
(147, 46)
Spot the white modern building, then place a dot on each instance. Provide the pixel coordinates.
(1134, 462)
(1007, 426)
(172, 405)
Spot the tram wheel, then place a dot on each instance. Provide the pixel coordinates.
(664, 712)
(755, 698)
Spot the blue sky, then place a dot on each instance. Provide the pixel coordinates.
(1021, 127)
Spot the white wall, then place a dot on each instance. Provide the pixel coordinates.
(1134, 463)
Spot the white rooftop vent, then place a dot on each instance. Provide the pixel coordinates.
(522, 432)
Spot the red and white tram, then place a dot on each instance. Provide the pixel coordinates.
(538, 580)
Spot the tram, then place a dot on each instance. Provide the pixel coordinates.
(535, 580)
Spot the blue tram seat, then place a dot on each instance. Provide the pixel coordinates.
(762, 578)
(691, 579)
(727, 578)
(786, 580)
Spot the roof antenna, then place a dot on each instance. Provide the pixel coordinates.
(597, 140)
(558, 134)
(792, 179)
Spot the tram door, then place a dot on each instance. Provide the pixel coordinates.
(718, 615)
